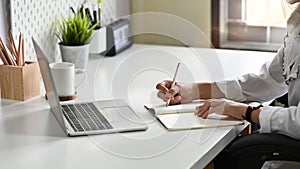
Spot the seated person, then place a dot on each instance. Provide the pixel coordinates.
(276, 78)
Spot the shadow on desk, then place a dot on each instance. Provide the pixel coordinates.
(36, 123)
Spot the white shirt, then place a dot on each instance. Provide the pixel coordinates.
(274, 80)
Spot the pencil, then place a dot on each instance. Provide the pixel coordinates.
(173, 83)
(20, 51)
(12, 40)
(3, 58)
(7, 53)
(13, 43)
(23, 52)
(11, 49)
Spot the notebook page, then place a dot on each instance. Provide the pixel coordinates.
(173, 109)
(187, 121)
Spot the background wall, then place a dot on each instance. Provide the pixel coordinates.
(35, 18)
(4, 24)
(175, 29)
(197, 12)
(2, 28)
(3, 21)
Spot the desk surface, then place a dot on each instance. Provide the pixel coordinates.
(31, 138)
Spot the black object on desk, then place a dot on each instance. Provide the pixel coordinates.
(118, 36)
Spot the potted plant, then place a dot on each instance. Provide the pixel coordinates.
(75, 34)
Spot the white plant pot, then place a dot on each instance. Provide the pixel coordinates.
(79, 55)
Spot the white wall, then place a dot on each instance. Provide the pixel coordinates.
(196, 31)
(3, 21)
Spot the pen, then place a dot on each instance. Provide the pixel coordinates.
(96, 15)
(99, 11)
(173, 83)
(72, 9)
(86, 10)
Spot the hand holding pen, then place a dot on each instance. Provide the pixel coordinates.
(173, 92)
(173, 83)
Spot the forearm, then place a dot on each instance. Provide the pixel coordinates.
(209, 91)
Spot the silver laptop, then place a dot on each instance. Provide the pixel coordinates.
(99, 117)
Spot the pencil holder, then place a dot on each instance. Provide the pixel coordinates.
(20, 82)
(98, 43)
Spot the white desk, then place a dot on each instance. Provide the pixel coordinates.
(31, 138)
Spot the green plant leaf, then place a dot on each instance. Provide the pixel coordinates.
(75, 30)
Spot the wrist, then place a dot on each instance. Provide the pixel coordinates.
(194, 91)
(252, 114)
(255, 115)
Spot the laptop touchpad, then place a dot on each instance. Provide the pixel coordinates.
(122, 117)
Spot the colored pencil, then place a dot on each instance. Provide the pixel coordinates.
(173, 83)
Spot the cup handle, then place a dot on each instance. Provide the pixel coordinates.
(80, 71)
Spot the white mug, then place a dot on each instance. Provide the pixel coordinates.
(64, 77)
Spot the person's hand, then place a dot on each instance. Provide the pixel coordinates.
(222, 106)
(180, 93)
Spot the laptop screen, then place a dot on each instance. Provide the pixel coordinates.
(49, 84)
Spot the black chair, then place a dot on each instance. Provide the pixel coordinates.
(265, 147)
(272, 147)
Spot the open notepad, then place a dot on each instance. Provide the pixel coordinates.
(182, 117)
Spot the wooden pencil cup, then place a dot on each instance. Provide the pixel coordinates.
(20, 82)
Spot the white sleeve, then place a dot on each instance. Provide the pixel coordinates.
(281, 120)
(266, 86)
(231, 89)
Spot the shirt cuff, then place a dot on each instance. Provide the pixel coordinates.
(231, 89)
(265, 116)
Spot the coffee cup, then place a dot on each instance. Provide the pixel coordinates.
(64, 78)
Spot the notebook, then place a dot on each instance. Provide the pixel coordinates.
(182, 117)
(86, 118)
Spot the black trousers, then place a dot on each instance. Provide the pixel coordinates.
(251, 151)
(235, 156)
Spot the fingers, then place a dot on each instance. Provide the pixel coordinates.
(172, 92)
(161, 95)
(166, 92)
(174, 100)
(164, 86)
(209, 107)
(203, 111)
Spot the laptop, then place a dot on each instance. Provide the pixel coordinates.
(87, 118)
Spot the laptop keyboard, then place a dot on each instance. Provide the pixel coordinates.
(85, 117)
